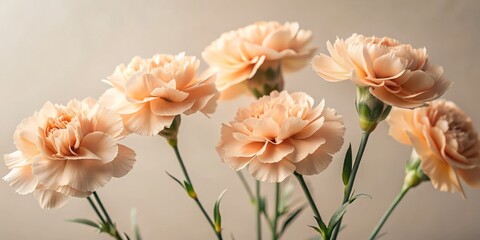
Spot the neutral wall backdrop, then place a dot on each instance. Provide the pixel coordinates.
(59, 50)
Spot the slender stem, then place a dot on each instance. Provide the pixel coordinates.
(182, 165)
(276, 213)
(252, 197)
(246, 186)
(389, 211)
(353, 174)
(195, 197)
(109, 220)
(96, 210)
(259, 210)
(310, 200)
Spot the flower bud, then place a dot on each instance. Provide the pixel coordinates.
(170, 133)
(414, 174)
(266, 80)
(370, 109)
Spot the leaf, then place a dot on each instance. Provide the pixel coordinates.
(87, 222)
(322, 226)
(217, 217)
(290, 219)
(176, 179)
(134, 221)
(128, 237)
(353, 198)
(316, 229)
(337, 215)
(347, 166)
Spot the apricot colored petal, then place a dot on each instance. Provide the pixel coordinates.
(144, 122)
(86, 175)
(14, 160)
(314, 163)
(327, 68)
(21, 179)
(101, 144)
(124, 161)
(275, 152)
(470, 176)
(162, 107)
(303, 148)
(271, 172)
(170, 94)
(115, 100)
(50, 199)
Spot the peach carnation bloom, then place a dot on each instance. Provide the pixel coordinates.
(67, 151)
(282, 133)
(445, 140)
(395, 73)
(149, 93)
(239, 55)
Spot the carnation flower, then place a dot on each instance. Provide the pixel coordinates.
(395, 73)
(446, 142)
(67, 151)
(149, 93)
(259, 53)
(280, 134)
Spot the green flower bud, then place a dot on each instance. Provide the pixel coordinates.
(266, 80)
(170, 133)
(370, 109)
(414, 174)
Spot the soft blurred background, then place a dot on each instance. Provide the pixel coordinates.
(59, 50)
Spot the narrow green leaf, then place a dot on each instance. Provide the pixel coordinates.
(175, 179)
(347, 166)
(353, 198)
(322, 226)
(128, 237)
(87, 222)
(290, 219)
(316, 229)
(337, 215)
(134, 221)
(217, 217)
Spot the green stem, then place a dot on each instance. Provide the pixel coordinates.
(309, 197)
(174, 145)
(109, 220)
(259, 210)
(96, 209)
(388, 212)
(276, 213)
(353, 174)
(252, 197)
(246, 186)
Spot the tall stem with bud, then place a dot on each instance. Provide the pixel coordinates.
(170, 134)
(371, 111)
(414, 175)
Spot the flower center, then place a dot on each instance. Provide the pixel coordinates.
(59, 122)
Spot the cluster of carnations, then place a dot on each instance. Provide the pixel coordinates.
(73, 150)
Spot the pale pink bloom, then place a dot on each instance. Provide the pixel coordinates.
(67, 151)
(445, 140)
(238, 55)
(282, 133)
(149, 93)
(395, 73)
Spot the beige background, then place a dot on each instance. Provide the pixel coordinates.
(59, 50)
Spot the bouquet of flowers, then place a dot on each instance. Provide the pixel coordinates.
(74, 150)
